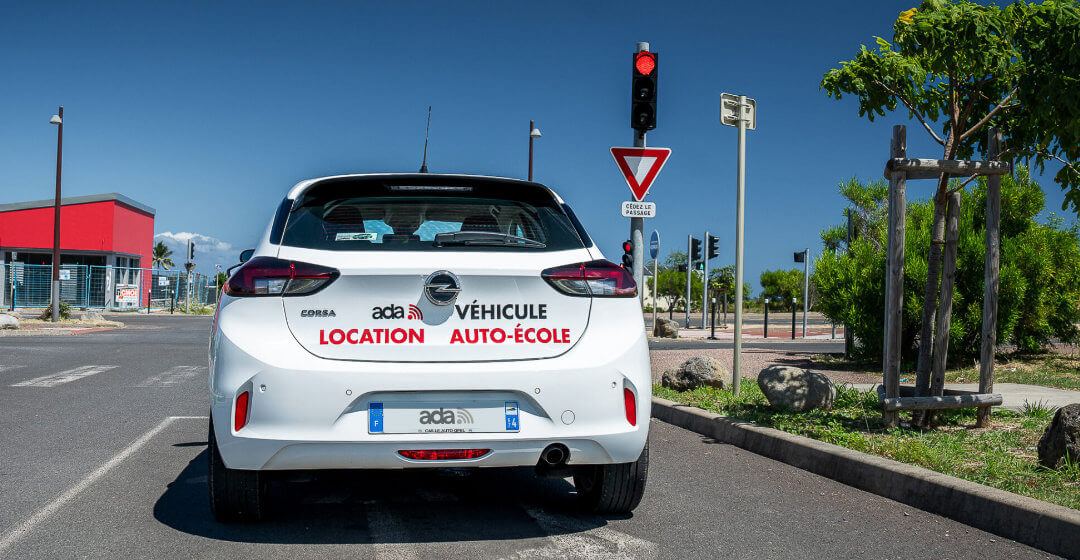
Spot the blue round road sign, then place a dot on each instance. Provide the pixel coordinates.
(654, 244)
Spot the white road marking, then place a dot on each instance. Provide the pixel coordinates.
(172, 376)
(574, 538)
(9, 367)
(60, 501)
(67, 376)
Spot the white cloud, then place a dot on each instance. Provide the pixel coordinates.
(210, 252)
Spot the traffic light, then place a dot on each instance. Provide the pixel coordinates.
(628, 254)
(800, 256)
(714, 247)
(681, 268)
(643, 91)
(695, 250)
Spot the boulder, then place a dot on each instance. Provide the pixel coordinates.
(8, 321)
(92, 316)
(695, 372)
(796, 389)
(666, 328)
(1062, 437)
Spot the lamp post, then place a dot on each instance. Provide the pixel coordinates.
(533, 134)
(58, 120)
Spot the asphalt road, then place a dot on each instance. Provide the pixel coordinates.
(110, 462)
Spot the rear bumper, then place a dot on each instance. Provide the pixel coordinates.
(311, 413)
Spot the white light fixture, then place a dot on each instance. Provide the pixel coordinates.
(535, 133)
(55, 119)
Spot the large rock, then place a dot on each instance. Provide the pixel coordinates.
(796, 389)
(8, 321)
(666, 328)
(695, 372)
(1062, 437)
(92, 316)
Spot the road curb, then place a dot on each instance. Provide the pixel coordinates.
(1045, 526)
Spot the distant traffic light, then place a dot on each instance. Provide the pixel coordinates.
(713, 243)
(681, 268)
(695, 250)
(643, 91)
(800, 256)
(628, 254)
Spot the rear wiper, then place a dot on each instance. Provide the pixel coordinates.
(485, 238)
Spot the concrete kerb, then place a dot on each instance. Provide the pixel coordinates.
(1048, 527)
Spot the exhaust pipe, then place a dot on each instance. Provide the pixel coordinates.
(555, 455)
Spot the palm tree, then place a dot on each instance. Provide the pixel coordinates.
(162, 257)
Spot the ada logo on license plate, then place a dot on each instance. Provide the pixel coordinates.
(510, 409)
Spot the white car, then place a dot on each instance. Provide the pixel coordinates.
(422, 321)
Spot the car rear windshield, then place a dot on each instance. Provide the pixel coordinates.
(429, 215)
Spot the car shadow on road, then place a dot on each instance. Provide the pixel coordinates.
(407, 506)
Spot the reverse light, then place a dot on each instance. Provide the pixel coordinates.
(630, 403)
(269, 276)
(442, 454)
(240, 414)
(592, 279)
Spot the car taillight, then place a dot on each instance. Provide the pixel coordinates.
(442, 454)
(630, 402)
(240, 415)
(592, 279)
(269, 276)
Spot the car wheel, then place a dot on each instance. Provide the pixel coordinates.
(235, 495)
(613, 489)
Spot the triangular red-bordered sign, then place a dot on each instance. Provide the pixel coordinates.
(639, 167)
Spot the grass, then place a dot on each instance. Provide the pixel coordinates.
(1049, 370)
(1002, 456)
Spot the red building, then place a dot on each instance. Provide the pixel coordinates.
(103, 237)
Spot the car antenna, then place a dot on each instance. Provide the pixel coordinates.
(427, 131)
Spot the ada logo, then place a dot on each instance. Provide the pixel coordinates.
(397, 312)
(317, 313)
(446, 416)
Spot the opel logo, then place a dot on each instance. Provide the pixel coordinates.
(442, 287)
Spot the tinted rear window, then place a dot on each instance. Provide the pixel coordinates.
(407, 214)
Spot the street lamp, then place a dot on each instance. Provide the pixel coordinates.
(533, 134)
(58, 120)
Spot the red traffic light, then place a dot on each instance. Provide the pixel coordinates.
(627, 246)
(645, 62)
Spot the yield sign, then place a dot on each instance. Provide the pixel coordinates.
(640, 166)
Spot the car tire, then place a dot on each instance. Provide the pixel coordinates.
(613, 489)
(235, 495)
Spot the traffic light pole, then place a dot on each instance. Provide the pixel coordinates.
(689, 264)
(705, 280)
(637, 225)
(740, 174)
(805, 289)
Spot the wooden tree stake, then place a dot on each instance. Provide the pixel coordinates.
(894, 279)
(990, 283)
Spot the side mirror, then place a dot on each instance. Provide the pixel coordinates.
(245, 255)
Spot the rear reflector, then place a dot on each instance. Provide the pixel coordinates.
(592, 279)
(442, 454)
(269, 276)
(630, 402)
(240, 415)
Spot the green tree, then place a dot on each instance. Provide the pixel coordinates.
(722, 281)
(959, 67)
(1040, 273)
(785, 284)
(162, 256)
(672, 288)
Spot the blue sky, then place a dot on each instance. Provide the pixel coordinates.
(210, 111)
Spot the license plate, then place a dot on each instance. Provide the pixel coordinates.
(443, 417)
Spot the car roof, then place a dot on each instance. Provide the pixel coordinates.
(302, 186)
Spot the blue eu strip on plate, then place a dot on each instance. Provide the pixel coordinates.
(375, 418)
